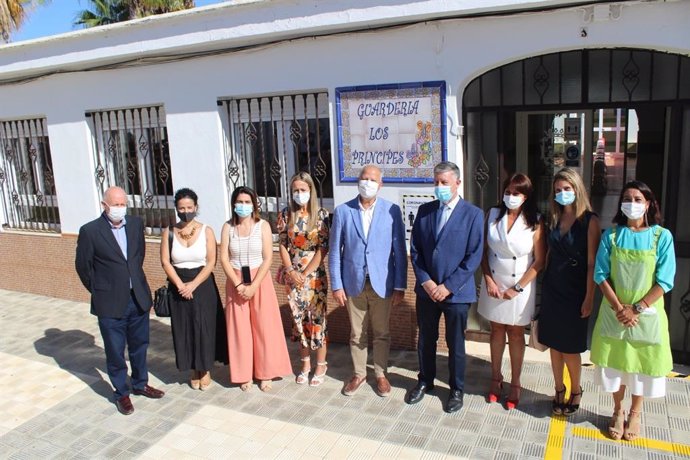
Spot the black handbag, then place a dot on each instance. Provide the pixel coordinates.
(161, 299)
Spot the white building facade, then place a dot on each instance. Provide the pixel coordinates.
(246, 92)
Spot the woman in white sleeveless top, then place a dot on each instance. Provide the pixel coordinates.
(256, 340)
(514, 253)
(196, 312)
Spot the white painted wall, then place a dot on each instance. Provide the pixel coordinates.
(453, 50)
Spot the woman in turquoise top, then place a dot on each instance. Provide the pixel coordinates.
(635, 267)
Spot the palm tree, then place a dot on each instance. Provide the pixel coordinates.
(141, 8)
(12, 15)
(103, 12)
(109, 11)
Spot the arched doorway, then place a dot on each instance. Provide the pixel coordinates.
(613, 114)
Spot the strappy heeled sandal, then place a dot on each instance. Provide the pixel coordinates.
(570, 408)
(494, 397)
(617, 425)
(632, 428)
(557, 403)
(317, 380)
(303, 376)
(513, 403)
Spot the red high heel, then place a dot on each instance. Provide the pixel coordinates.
(494, 397)
(513, 403)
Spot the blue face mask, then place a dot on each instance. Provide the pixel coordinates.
(443, 193)
(565, 197)
(244, 209)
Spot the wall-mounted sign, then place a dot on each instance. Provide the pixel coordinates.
(410, 205)
(401, 128)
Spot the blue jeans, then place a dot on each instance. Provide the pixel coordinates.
(133, 330)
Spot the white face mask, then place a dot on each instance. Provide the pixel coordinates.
(301, 198)
(512, 201)
(634, 211)
(368, 188)
(116, 213)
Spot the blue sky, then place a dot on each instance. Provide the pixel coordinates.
(57, 16)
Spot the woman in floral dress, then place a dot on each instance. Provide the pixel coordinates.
(303, 228)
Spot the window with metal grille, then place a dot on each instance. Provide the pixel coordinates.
(27, 185)
(131, 151)
(273, 137)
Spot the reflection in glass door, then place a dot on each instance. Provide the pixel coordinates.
(553, 141)
(614, 159)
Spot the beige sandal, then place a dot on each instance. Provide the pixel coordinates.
(205, 381)
(303, 376)
(617, 424)
(632, 428)
(265, 385)
(246, 386)
(194, 380)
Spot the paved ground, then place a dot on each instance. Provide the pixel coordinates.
(55, 404)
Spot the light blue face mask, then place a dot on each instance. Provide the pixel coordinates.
(243, 209)
(565, 197)
(443, 193)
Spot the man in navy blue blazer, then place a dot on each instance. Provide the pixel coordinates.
(367, 264)
(109, 261)
(446, 249)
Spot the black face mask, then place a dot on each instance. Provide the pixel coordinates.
(186, 216)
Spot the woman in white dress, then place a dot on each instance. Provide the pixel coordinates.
(514, 252)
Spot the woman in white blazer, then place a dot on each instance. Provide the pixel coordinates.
(514, 252)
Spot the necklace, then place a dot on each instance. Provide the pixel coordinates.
(187, 236)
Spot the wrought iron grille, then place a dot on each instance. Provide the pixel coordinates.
(131, 151)
(271, 138)
(599, 76)
(27, 184)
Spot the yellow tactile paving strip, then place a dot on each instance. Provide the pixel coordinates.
(30, 388)
(216, 432)
(558, 425)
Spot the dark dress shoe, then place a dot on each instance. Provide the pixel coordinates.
(417, 393)
(124, 405)
(149, 392)
(454, 401)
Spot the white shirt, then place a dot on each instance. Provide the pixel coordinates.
(193, 256)
(367, 215)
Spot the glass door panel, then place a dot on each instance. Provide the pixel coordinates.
(614, 159)
(553, 141)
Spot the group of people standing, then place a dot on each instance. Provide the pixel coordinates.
(633, 264)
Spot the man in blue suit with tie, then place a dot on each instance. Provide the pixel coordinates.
(368, 269)
(446, 249)
(109, 261)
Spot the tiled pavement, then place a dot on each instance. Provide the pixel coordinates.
(55, 404)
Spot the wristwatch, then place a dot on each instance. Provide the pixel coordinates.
(518, 288)
(638, 308)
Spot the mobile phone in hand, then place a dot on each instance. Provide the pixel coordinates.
(246, 275)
